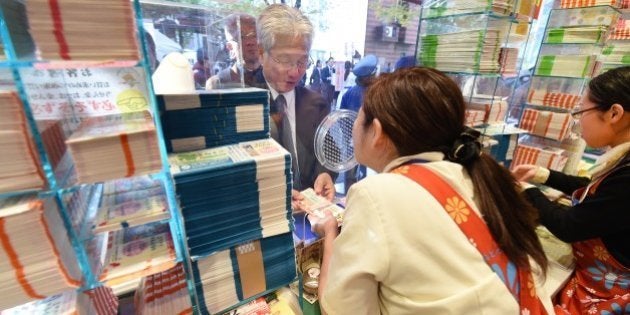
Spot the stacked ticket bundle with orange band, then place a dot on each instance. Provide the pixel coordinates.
(547, 157)
(621, 31)
(546, 124)
(543, 97)
(508, 59)
(474, 117)
(567, 4)
(53, 138)
(115, 146)
(101, 301)
(63, 30)
(164, 293)
(36, 256)
(137, 252)
(494, 110)
(20, 163)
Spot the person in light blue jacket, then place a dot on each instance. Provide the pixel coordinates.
(365, 72)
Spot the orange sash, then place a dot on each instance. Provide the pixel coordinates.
(518, 280)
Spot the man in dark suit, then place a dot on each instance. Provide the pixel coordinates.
(315, 81)
(328, 89)
(285, 37)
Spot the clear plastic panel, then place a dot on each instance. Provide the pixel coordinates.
(486, 97)
(215, 44)
(589, 16)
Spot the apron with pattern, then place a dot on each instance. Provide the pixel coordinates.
(600, 284)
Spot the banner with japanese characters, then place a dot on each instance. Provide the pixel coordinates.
(81, 92)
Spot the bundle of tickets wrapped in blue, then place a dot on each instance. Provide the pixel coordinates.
(233, 194)
(249, 270)
(205, 119)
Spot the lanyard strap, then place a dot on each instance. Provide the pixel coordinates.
(518, 280)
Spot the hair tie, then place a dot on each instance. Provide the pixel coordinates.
(466, 148)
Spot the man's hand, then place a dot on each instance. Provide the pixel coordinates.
(324, 186)
(296, 201)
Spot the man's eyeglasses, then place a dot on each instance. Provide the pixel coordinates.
(286, 64)
(577, 113)
(250, 35)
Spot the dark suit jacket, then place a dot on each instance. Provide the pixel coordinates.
(327, 75)
(315, 76)
(310, 110)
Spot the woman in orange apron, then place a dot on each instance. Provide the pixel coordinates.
(598, 223)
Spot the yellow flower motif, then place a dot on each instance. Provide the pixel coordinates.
(600, 253)
(401, 170)
(457, 209)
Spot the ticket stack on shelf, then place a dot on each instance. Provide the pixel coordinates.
(456, 7)
(163, 293)
(63, 30)
(53, 139)
(233, 194)
(101, 301)
(565, 51)
(560, 100)
(552, 125)
(115, 146)
(131, 217)
(131, 202)
(548, 157)
(21, 168)
(131, 235)
(494, 109)
(208, 119)
(36, 257)
(477, 44)
(251, 269)
(568, 4)
(476, 50)
(574, 49)
(136, 252)
(616, 53)
(508, 59)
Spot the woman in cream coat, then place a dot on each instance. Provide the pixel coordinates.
(400, 251)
